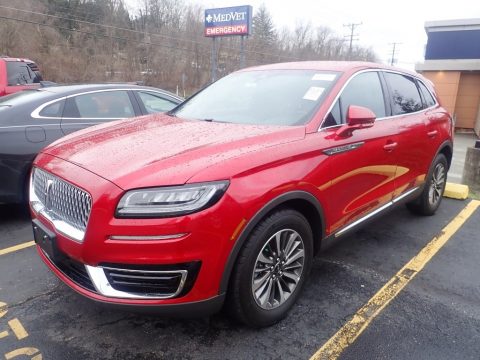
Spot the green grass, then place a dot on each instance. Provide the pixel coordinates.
(474, 195)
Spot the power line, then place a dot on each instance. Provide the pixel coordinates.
(394, 47)
(352, 34)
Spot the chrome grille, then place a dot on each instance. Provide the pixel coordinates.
(61, 201)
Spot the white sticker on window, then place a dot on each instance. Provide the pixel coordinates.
(324, 77)
(313, 93)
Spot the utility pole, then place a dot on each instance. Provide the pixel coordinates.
(352, 36)
(394, 48)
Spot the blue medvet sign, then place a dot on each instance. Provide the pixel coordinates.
(236, 20)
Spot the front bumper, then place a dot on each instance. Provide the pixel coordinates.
(184, 257)
(85, 287)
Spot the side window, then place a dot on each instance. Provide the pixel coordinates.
(405, 96)
(19, 73)
(429, 100)
(363, 90)
(53, 110)
(154, 103)
(36, 76)
(334, 117)
(104, 105)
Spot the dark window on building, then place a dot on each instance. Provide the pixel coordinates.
(405, 96)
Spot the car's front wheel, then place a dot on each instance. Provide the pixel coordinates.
(271, 269)
(430, 198)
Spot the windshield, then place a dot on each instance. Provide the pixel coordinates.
(262, 97)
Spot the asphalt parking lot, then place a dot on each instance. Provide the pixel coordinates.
(435, 316)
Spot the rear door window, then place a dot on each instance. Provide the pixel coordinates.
(53, 110)
(427, 96)
(102, 105)
(404, 94)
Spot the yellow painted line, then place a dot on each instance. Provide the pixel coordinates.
(29, 351)
(456, 191)
(3, 309)
(18, 329)
(17, 247)
(349, 332)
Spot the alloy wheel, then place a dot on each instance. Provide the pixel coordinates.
(437, 184)
(278, 269)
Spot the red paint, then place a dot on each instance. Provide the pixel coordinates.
(6, 89)
(261, 163)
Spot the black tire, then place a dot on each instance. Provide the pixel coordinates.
(290, 226)
(431, 197)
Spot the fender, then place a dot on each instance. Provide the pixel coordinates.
(272, 204)
(446, 144)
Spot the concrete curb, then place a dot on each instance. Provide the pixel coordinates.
(456, 191)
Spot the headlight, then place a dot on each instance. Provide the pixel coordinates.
(170, 201)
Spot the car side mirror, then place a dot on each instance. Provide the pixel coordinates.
(358, 117)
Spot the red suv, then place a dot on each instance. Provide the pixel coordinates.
(17, 75)
(231, 194)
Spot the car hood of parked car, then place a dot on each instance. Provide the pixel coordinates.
(163, 150)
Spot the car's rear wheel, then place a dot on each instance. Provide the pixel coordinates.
(271, 269)
(431, 197)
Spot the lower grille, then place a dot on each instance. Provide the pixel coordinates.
(150, 281)
(146, 282)
(75, 271)
(130, 281)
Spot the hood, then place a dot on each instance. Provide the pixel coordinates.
(162, 150)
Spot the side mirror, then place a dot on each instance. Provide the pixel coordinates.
(358, 117)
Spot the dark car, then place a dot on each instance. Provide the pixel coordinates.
(32, 119)
(18, 74)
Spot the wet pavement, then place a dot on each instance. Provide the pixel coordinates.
(437, 316)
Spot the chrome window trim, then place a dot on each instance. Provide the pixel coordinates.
(27, 125)
(102, 285)
(381, 118)
(164, 94)
(36, 113)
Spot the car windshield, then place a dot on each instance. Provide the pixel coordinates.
(261, 97)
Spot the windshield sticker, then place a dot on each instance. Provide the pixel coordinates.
(324, 77)
(313, 93)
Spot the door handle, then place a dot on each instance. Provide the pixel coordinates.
(432, 133)
(390, 146)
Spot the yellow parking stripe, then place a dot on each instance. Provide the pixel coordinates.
(349, 332)
(17, 247)
(18, 329)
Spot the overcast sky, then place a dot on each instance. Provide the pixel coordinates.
(383, 22)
